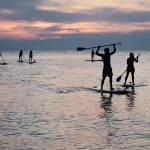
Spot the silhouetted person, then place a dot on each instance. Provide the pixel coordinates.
(130, 67)
(92, 55)
(20, 55)
(107, 70)
(30, 56)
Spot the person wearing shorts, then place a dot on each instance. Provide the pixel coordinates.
(130, 67)
(107, 69)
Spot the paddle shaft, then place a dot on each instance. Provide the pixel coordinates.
(24, 58)
(109, 45)
(93, 60)
(2, 58)
(100, 46)
(123, 72)
(138, 55)
(33, 59)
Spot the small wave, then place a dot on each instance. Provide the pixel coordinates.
(69, 89)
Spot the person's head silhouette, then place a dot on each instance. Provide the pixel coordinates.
(131, 55)
(106, 50)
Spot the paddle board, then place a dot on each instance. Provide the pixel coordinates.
(131, 85)
(20, 61)
(3, 63)
(115, 91)
(93, 60)
(31, 62)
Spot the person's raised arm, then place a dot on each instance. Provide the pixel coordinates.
(137, 58)
(97, 52)
(114, 51)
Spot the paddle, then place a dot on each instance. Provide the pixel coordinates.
(138, 55)
(93, 60)
(82, 48)
(34, 60)
(4, 63)
(24, 58)
(119, 78)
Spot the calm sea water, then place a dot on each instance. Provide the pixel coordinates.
(47, 105)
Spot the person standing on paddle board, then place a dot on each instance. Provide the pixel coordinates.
(107, 70)
(92, 55)
(130, 67)
(20, 55)
(30, 56)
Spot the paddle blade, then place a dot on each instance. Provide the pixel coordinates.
(80, 48)
(119, 78)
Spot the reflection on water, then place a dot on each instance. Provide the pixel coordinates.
(47, 105)
(106, 102)
(131, 98)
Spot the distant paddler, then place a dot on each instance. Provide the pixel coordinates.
(31, 59)
(92, 55)
(130, 67)
(30, 56)
(107, 69)
(4, 63)
(20, 56)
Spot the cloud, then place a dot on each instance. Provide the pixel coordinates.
(33, 14)
(133, 40)
(57, 19)
(15, 4)
(120, 16)
(23, 11)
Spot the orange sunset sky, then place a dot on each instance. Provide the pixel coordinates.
(58, 20)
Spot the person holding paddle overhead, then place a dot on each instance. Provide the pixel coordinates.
(130, 67)
(107, 70)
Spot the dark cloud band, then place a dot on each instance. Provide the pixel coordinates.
(28, 11)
